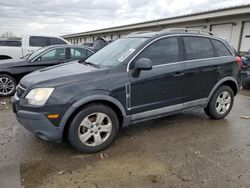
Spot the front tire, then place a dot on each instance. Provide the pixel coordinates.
(220, 103)
(93, 129)
(7, 85)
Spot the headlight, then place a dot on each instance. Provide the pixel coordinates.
(39, 96)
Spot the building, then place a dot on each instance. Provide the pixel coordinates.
(231, 23)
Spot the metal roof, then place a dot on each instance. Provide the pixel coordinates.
(221, 12)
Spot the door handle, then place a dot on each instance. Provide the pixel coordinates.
(179, 74)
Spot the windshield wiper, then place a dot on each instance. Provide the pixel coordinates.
(88, 63)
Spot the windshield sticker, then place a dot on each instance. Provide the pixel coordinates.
(126, 54)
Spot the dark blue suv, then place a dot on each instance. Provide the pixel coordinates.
(136, 78)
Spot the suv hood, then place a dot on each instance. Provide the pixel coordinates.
(62, 74)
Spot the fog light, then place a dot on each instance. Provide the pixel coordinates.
(53, 116)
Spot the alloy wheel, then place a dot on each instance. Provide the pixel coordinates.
(7, 86)
(223, 102)
(95, 129)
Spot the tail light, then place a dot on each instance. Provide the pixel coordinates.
(239, 61)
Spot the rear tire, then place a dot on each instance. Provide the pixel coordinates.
(93, 129)
(220, 103)
(7, 85)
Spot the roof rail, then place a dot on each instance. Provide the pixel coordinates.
(186, 30)
(138, 32)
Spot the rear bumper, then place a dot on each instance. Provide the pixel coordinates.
(39, 125)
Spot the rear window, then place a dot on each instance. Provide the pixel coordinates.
(11, 43)
(39, 41)
(56, 41)
(198, 48)
(220, 48)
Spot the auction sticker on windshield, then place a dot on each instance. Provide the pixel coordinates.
(126, 54)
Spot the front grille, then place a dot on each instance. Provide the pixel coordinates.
(20, 90)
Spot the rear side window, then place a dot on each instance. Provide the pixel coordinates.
(11, 43)
(198, 48)
(220, 48)
(162, 51)
(39, 41)
(78, 53)
(56, 41)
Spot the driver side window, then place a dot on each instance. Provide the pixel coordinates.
(53, 55)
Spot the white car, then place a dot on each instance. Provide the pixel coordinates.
(20, 47)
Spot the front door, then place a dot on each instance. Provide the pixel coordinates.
(49, 58)
(160, 89)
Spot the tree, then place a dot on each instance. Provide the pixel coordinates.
(8, 34)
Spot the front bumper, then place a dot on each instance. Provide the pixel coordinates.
(37, 123)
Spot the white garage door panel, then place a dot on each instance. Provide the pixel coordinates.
(223, 30)
(196, 27)
(245, 42)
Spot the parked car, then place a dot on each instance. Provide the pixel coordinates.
(20, 47)
(246, 70)
(14, 42)
(12, 70)
(246, 76)
(99, 44)
(133, 79)
(88, 44)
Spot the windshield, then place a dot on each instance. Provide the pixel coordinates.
(116, 52)
(34, 54)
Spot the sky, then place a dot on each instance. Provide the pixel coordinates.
(59, 17)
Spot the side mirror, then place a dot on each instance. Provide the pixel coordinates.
(141, 64)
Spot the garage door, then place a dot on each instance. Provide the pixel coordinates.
(197, 27)
(245, 42)
(223, 30)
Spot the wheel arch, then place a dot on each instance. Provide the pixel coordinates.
(9, 74)
(229, 81)
(97, 99)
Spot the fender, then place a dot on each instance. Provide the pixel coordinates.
(85, 100)
(228, 78)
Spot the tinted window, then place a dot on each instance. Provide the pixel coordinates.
(198, 48)
(53, 55)
(55, 41)
(89, 53)
(162, 51)
(78, 53)
(39, 41)
(10, 43)
(220, 48)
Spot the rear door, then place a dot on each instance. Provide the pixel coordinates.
(79, 53)
(161, 87)
(202, 68)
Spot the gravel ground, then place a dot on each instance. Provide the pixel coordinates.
(184, 150)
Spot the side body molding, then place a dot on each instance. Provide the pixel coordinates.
(228, 78)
